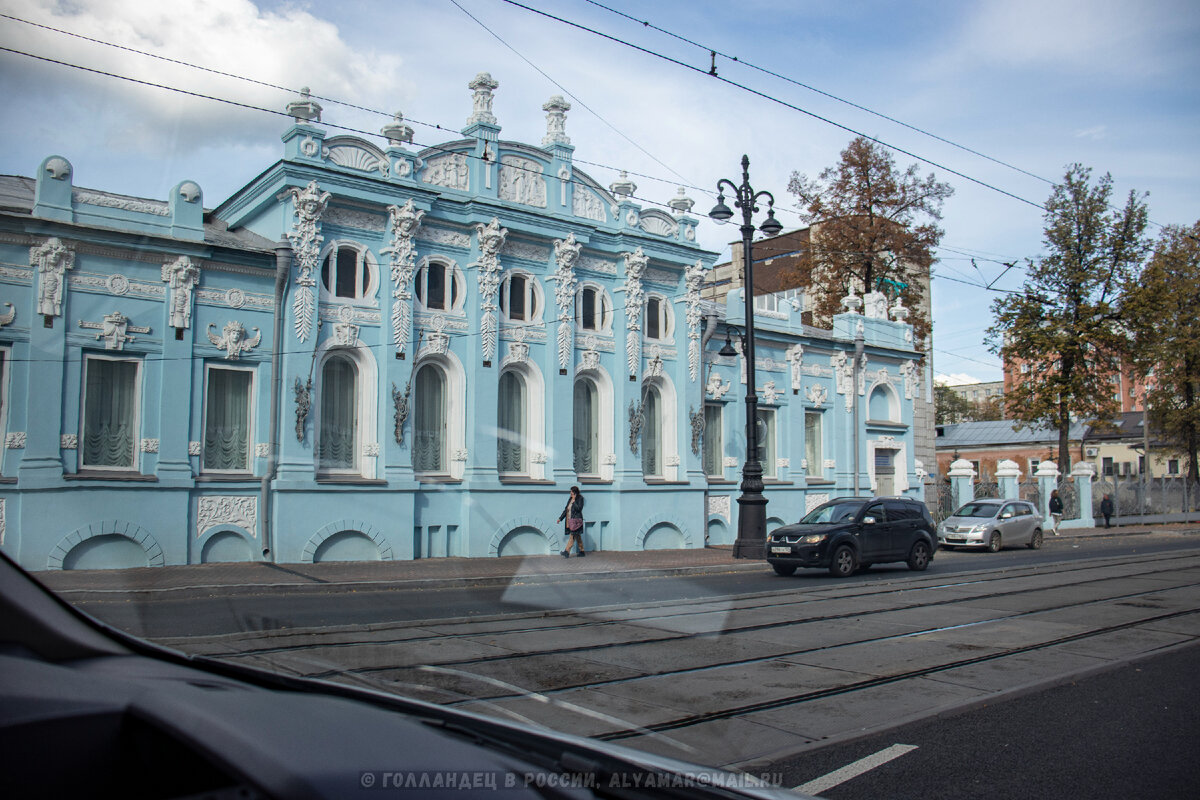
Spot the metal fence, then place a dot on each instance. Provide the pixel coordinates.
(1147, 497)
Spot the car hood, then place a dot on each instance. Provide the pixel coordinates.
(967, 521)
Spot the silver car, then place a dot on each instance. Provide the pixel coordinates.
(992, 524)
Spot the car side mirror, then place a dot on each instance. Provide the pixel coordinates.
(1006, 515)
(868, 520)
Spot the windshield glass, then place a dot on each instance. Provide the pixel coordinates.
(332, 347)
(832, 512)
(977, 510)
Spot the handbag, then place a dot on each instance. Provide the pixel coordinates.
(574, 524)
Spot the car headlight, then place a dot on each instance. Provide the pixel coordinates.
(977, 528)
(814, 538)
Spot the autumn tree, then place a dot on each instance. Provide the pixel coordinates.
(950, 407)
(1068, 322)
(872, 226)
(1164, 317)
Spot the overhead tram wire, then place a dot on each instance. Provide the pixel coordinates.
(823, 93)
(776, 100)
(712, 72)
(335, 101)
(571, 94)
(252, 107)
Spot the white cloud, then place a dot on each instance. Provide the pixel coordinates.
(956, 379)
(1095, 133)
(288, 48)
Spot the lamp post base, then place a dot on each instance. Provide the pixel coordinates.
(751, 540)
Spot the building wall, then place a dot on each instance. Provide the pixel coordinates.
(348, 475)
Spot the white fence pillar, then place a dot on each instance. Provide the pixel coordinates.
(1083, 473)
(1008, 475)
(962, 482)
(1047, 477)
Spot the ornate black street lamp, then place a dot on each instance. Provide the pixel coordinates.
(752, 505)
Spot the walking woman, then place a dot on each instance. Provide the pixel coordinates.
(1056, 510)
(573, 514)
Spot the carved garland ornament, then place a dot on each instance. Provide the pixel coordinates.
(404, 222)
(693, 277)
(491, 239)
(306, 240)
(566, 253)
(635, 299)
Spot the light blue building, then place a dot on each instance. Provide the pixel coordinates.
(377, 353)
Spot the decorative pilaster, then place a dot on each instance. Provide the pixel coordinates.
(306, 241)
(635, 300)
(490, 239)
(566, 253)
(693, 277)
(404, 222)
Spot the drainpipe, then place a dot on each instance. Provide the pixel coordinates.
(858, 352)
(283, 268)
(710, 328)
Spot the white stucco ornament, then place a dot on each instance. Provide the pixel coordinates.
(308, 206)
(482, 86)
(556, 109)
(181, 277)
(51, 260)
(566, 254)
(233, 339)
(635, 300)
(693, 277)
(404, 221)
(114, 330)
(490, 239)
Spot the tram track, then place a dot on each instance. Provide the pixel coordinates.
(769, 599)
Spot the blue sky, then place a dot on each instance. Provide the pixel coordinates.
(1034, 83)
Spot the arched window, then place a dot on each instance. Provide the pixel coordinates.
(587, 428)
(429, 420)
(880, 405)
(652, 429)
(337, 448)
(346, 272)
(658, 322)
(437, 286)
(592, 309)
(511, 433)
(519, 297)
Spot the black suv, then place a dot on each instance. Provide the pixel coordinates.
(853, 533)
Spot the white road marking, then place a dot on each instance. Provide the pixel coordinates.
(840, 776)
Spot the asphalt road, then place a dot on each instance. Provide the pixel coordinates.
(227, 611)
(1130, 732)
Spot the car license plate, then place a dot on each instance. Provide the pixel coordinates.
(782, 550)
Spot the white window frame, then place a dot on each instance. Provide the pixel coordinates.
(456, 279)
(816, 469)
(137, 413)
(251, 405)
(534, 410)
(365, 257)
(769, 445)
(603, 384)
(604, 309)
(669, 421)
(666, 319)
(456, 412)
(367, 372)
(534, 299)
(719, 466)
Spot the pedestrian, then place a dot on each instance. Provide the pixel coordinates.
(1056, 511)
(1106, 508)
(573, 529)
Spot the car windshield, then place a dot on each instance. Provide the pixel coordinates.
(832, 512)
(978, 510)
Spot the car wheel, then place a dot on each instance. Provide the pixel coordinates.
(918, 557)
(783, 570)
(995, 543)
(843, 563)
(1035, 541)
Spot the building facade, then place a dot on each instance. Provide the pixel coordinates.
(378, 352)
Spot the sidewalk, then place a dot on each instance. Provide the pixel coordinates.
(435, 572)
